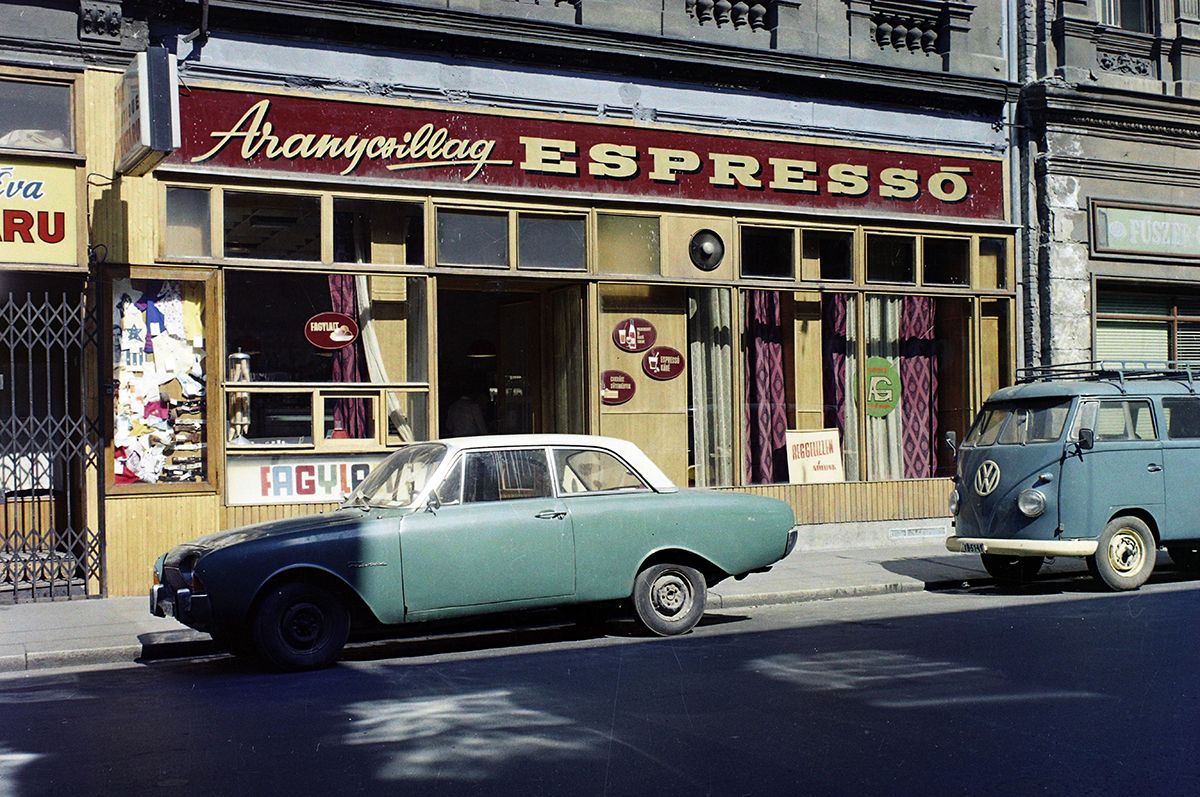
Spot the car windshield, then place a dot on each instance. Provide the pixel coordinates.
(401, 477)
(1019, 424)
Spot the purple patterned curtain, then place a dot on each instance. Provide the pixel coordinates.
(833, 359)
(766, 410)
(348, 414)
(919, 386)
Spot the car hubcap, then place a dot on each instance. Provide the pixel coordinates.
(671, 595)
(1125, 552)
(302, 625)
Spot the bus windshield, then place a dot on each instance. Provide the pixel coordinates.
(1019, 423)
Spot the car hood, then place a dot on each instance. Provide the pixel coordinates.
(326, 521)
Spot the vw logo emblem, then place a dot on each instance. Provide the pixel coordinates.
(987, 478)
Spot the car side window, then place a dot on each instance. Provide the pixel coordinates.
(590, 471)
(449, 492)
(1124, 420)
(1183, 418)
(506, 475)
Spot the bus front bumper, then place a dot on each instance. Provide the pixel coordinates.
(1011, 547)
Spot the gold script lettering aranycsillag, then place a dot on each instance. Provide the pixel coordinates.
(425, 147)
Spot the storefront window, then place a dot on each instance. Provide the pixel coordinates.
(947, 261)
(159, 370)
(37, 116)
(551, 242)
(916, 381)
(327, 333)
(628, 244)
(189, 233)
(768, 252)
(993, 263)
(828, 255)
(272, 226)
(472, 238)
(1141, 326)
(376, 231)
(891, 258)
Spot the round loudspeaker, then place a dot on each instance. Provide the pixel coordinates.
(707, 250)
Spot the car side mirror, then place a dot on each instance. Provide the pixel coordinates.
(432, 504)
(1087, 439)
(951, 440)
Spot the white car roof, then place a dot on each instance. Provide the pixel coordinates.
(622, 448)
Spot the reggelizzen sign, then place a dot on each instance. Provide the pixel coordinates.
(38, 214)
(245, 130)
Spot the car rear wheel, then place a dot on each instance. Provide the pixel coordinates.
(300, 626)
(1185, 557)
(1125, 554)
(1011, 570)
(669, 599)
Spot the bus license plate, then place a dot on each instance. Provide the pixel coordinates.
(971, 547)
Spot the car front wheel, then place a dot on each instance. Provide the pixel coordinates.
(300, 626)
(669, 599)
(1125, 554)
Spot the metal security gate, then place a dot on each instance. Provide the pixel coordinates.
(50, 449)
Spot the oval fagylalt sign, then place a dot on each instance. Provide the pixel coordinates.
(331, 330)
(634, 334)
(662, 363)
(616, 387)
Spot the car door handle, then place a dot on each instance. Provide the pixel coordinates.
(551, 514)
(1154, 467)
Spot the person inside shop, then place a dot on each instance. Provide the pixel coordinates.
(464, 417)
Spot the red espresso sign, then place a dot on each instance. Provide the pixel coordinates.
(662, 363)
(634, 334)
(310, 136)
(331, 330)
(616, 387)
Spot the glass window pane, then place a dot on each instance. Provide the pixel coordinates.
(375, 231)
(710, 373)
(159, 368)
(585, 471)
(258, 418)
(891, 258)
(37, 116)
(551, 242)
(995, 365)
(188, 230)
(993, 263)
(449, 492)
(767, 252)
(828, 255)
(506, 475)
(1183, 418)
(628, 244)
(349, 418)
(947, 261)
(272, 226)
(407, 417)
(471, 238)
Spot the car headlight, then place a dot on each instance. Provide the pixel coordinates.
(1031, 502)
(954, 502)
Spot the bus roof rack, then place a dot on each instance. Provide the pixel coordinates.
(1118, 371)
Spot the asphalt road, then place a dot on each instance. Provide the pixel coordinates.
(1066, 691)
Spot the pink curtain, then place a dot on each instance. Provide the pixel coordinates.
(349, 414)
(766, 401)
(833, 345)
(919, 386)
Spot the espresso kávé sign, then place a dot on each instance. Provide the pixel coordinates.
(310, 136)
(662, 363)
(331, 331)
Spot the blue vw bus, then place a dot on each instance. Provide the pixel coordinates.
(1091, 460)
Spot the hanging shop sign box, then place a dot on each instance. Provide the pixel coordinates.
(662, 363)
(616, 388)
(814, 457)
(258, 481)
(634, 335)
(331, 331)
(38, 214)
(226, 129)
(148, 103)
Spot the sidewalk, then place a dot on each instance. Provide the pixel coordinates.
(116, 630)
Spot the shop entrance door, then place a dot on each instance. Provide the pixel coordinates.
(516, 352)
(50, 450)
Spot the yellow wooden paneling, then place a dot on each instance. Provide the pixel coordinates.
(236, 516)
(138, 530)
(852, 502)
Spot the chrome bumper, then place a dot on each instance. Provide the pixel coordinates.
(1011, 547)
(189, 609)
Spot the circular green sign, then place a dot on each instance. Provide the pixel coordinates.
(883, 386)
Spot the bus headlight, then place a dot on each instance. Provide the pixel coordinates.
(954, 502)
(1032, 503)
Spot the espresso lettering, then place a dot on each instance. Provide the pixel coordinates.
(733, 170)
(669, 163)
(546, 155)
(791, 175)
(899, 184)
(849, 179)
(953, 175)
(616, 161)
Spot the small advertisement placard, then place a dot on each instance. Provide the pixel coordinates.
(814, 457)
(294, 478)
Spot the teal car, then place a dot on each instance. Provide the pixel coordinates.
(470, 526)
(1096, 463)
